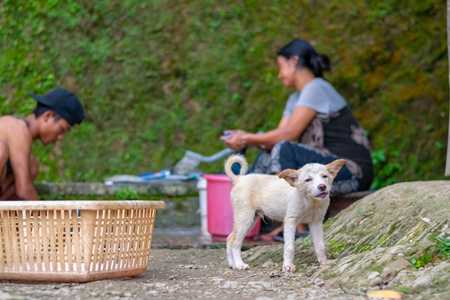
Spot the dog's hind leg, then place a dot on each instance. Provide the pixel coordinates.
(289, 237)
(230, 241)
(239, 232)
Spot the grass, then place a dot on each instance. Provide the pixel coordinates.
(442, 245)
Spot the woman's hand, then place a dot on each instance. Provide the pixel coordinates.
(235, 139)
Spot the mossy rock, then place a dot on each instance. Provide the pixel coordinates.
(385, 232)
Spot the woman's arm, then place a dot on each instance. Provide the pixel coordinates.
(283, 122)
(287, 130)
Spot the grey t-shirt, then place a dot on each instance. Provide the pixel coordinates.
(335, 129)
(318, 95)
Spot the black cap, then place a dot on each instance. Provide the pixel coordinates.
(64, 104)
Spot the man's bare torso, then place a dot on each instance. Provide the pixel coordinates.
(15, 141)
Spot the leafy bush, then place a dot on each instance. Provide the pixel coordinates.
(162, 77)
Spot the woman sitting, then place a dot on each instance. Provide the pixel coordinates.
(317, 125)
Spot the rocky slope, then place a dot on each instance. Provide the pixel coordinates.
(382, 241)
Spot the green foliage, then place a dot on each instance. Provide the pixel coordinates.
(307, 241)
(337, 247)
(363, 248)
(122, 195)
(127, 194)
(386, 171)
(422, 260)
(51, 197)
(158, 78)
(442, 245)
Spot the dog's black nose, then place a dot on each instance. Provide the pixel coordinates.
(322, 187)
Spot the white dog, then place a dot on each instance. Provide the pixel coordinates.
(302, 197)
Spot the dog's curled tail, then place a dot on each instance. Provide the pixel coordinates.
(236, 158)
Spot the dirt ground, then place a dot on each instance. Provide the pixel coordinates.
(188, 274)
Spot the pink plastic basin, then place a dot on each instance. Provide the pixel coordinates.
(219, 210)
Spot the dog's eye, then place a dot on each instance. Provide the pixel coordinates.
(308, 179)
(324, 176)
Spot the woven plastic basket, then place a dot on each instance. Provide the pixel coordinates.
(75, 241)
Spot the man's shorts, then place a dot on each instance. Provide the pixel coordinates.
(9, 169)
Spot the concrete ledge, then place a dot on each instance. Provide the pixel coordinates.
(154, 187)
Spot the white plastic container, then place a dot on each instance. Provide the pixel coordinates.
(201, 186)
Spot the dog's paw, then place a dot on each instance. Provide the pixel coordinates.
(241, 267)
(289, 268)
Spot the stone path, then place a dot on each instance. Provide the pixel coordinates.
(191, 237)
(185, 264)
(187, 274)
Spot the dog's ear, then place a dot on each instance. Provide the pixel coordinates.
(335, 166)
(289, 175)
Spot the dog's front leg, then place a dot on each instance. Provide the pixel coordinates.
(289, 250)
(316, 229)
